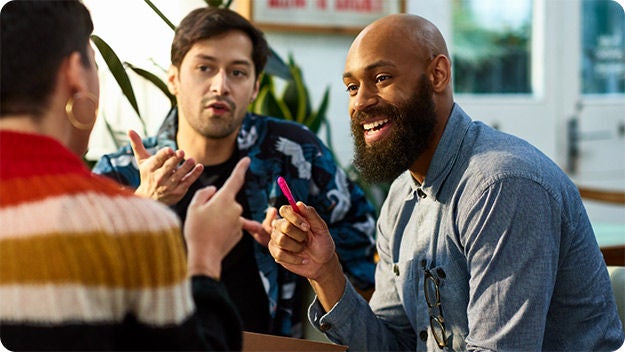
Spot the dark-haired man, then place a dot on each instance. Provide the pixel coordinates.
(217, 57)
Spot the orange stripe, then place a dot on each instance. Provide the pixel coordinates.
(26, 189)
(138, 260)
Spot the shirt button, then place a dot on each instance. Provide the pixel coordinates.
(325, 327)
(396, 270)
(421, 194)
(423, 335)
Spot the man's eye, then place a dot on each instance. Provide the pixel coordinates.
(382, 78)
(239, 73)
(203, 68)
(351, 89)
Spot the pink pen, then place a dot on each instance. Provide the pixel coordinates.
(287, 192)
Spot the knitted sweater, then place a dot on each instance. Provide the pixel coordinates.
(84, 264)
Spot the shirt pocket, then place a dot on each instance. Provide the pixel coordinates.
(454, 297)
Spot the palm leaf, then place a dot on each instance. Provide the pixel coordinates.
(160, 14)
(154, 79)
(119, 72)
(268, 104)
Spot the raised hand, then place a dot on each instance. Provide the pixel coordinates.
(213, 225)
(163, 178)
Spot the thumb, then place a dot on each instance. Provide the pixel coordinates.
(316, 223)
(137, 146)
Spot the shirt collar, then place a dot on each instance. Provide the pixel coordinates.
(446, 152)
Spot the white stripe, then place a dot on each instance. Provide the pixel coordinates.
(86, 212)
(75, 303)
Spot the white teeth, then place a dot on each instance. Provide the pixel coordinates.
(374, 124)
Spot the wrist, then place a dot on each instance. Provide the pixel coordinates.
(204, 266)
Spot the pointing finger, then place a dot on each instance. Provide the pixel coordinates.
(234, 183)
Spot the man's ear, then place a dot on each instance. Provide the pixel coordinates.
(440, 73)
(172, 79)
(256, 88)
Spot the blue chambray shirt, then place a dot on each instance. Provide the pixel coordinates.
(279, 147)
(505, 232)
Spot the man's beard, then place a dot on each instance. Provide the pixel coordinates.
(413, 128)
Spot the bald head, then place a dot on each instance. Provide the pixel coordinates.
(410, 31)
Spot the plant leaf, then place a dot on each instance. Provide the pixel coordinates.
(160, 14)
(154, 79)
(277, 67)
(316, 119)
(295, 94)
(118, 71)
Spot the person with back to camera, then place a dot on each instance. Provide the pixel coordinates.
(84, 264)
(217, 57)
(484, 242)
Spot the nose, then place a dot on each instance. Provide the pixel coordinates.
(364, 99)
(219, 83)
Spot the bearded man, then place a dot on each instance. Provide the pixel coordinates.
(484, 242)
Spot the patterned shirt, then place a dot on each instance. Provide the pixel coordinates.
(279, 147)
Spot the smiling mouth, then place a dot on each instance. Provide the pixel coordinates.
(374, 126)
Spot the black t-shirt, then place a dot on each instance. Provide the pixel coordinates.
(239, 271)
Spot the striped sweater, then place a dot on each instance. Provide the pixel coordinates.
(85, 264)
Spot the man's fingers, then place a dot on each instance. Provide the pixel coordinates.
(287, 212)
(287, 229)
(282, 256)
(234, 183)
(252, 226)
(190, 177)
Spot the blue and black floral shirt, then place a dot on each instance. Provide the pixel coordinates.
(279, 147)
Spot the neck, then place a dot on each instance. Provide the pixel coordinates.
(27, 123)
(206, 151)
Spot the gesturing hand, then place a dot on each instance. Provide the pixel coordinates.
(162, 176)
(301, 243)
(214, 224)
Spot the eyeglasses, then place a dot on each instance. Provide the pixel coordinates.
(433, 300)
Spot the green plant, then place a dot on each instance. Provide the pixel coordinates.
(294, 102)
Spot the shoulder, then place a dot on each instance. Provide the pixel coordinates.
(274, 127)
(492, 158)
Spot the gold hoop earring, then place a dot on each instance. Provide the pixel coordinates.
(69, 109)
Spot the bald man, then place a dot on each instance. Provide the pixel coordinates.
(484, 242)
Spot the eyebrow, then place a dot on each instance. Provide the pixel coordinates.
(377, 64)
(212, 58)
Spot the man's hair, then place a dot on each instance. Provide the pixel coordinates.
(36, 37)
(207, 22)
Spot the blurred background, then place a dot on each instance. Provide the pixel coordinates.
(549, 71)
